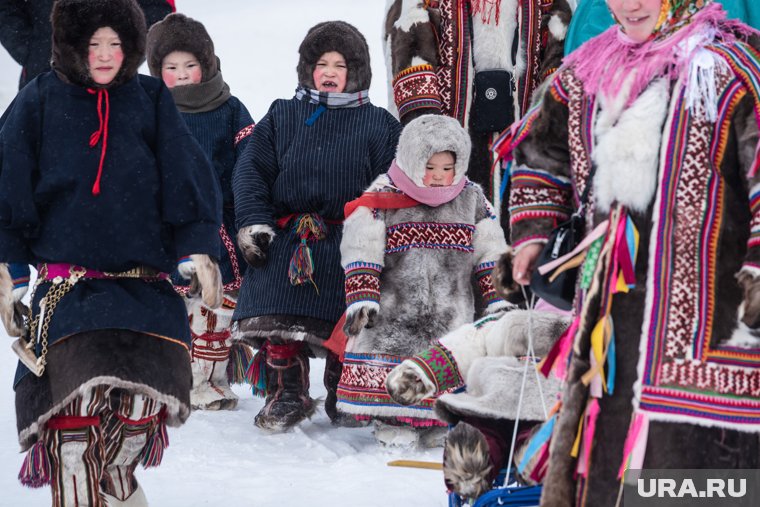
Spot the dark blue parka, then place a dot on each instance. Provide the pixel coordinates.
(159, 200)
(291, 167)
(223, 135)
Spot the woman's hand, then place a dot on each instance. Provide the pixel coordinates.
(524, 262)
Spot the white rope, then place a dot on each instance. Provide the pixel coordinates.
(532, 361)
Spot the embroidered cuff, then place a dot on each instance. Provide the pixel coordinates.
(416, 88)
(243, 133)
(485, 284)
(19, 274)
(362, 282)
(440, 367)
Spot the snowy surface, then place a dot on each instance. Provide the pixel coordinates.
(220, 458)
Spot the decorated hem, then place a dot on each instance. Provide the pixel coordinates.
(362, 282)
(440, 367)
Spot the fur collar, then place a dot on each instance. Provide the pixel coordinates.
(627, 147)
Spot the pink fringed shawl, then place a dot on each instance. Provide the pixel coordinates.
(605, 62)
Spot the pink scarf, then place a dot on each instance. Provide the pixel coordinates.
(603, 63)
(432, 196)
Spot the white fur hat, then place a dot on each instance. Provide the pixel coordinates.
(427, 135)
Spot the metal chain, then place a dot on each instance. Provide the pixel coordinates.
(61, 286)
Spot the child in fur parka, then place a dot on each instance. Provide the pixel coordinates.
(181, 52)
(411, 246)
(94, 204)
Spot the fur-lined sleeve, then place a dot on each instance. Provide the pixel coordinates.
(191, 197)
(362, 250)
(254, 175)
(540, 195)
(411, 53)
(745, 129)
(489, 244)
(19, 218)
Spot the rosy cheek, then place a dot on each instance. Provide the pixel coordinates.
(118, 57)
(169, 79)
(195, 75)
(316, 75)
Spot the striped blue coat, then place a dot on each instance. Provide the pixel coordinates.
(291, 167)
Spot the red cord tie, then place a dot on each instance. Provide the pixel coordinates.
(102, 131)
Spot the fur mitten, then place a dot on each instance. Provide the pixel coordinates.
(501, 275)
(205, 279)
(467, 461)
(12, 310)
(254, 241)
(407, 384)
(750, 307)
(360, 315)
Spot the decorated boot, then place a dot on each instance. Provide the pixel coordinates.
(286, 370)
(211, 355)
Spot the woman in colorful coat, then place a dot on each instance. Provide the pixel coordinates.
(103, 188)
(478, 61)
(663, 351)
(409, 270)
(307, 157)
(181, 52)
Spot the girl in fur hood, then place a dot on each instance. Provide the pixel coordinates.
(181, 52)
(100, 188)
(411, 247)
(658, 116)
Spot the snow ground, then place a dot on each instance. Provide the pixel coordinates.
(220, 458)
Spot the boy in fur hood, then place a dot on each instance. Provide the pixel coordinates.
(307, 157)
(93, 203)
(181, 52)
(411, 245)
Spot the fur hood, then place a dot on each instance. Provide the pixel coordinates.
(178, 32)
(427, 135)
(345, 39)
(75, 21)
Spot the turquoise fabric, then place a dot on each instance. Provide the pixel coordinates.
(592, 17)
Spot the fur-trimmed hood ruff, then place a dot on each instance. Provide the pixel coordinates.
(75, 21)
(178, 32)
(345, 39)
(428, 135)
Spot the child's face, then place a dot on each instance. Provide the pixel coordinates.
(439, 171)
(181, 68)
(638, 17)
(330, 72)
(104, 55)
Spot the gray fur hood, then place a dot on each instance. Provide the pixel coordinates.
(428, 135)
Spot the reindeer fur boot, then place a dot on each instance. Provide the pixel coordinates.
(287, 378)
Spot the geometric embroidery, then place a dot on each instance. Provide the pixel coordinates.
(362, 282)
(244, 132)
(401, 237)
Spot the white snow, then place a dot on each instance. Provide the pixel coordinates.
(220, 458)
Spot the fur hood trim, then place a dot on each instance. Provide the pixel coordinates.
(75, 21)
(345, 39)
(430, 134)
(178, 32)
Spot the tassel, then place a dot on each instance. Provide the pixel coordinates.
(309, 227)
(539, 441)
(486, 10)
(256, 374)
(635, 444)
(153, 452)
(240, 358)
(35, 471)
(592, 413)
